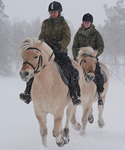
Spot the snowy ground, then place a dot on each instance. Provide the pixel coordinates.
(19, 129)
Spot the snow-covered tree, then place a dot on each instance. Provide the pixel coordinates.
(114, 31)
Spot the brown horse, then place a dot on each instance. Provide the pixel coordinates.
(87, 60)
(49, 93)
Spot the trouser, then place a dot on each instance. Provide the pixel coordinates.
(62, 59)
(29, 86)
(99, 80)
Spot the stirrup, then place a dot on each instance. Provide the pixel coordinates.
(75, 100)
(25, 97)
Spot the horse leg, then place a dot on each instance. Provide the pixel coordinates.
(75, 124)
(68, 117)
(100, 118)
(57, 131)
(41, 117)
(86, 111)
(91, 118)
(69, 113)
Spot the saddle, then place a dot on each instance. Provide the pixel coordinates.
(64, 73)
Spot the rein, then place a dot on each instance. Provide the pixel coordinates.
(113, 74)
(39, 62)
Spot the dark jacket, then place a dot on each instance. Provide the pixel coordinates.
(55, 31)
(90, 37)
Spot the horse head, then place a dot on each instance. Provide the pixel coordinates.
(87, 60)
(35, 57)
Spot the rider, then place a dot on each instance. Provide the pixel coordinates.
(87, 35)
(56, 33)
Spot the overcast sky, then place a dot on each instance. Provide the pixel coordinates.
(73, 10)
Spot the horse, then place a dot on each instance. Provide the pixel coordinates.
(87, 60)
(49, 93)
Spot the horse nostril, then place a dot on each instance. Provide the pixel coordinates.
(26, 73)
(88, 76)
(21, 74)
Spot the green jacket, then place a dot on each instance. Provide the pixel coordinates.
(55, 31)
(90, 37)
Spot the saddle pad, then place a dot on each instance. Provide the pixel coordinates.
(104, 75)
(64, 73)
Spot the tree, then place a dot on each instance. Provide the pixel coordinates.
(114, 31)
(5, 62)
(2, 14)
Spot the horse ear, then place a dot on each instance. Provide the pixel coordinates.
(95, 53)
(41, 41)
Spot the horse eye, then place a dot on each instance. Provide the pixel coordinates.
(36, 57)
(84, 61)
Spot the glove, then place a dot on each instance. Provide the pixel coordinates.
(57, 47)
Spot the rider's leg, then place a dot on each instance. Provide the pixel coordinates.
(99, 82)
(63, 59)
(26, 96)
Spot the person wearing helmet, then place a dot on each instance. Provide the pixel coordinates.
(56, 33)
(87, 35)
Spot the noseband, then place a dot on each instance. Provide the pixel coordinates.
(40, 61)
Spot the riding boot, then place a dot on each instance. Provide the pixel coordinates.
(73, 94)
(100, 100)
(99, 80)
(26, 96)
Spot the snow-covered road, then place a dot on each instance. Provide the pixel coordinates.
(19, 129)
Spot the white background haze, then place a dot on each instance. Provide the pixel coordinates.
(73, 10)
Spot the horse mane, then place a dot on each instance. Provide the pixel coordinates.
(84, 51)
(26, 44)
(29, 42)
(47, 48)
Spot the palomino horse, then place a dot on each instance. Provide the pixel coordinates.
(87, 60)
(49, 93)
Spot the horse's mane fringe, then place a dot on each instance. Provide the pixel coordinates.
(29, 42)
(26, 44)
(47, 48)
(84, 51)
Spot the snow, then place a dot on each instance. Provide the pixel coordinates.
(19, 129)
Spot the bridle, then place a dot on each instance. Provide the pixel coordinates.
(87, 55)
(40, 61)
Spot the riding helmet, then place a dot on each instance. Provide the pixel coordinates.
(88, 17)
(55, 6)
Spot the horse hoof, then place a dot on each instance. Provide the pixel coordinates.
(101, 123)
(91, 120)
(76, 126)
(66, 139)
(61, 144)
(82, 133)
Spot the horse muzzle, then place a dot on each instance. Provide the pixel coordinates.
(25, 75)
(89, 77)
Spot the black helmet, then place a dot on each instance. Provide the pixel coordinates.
(55, 6)
(88, 17)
